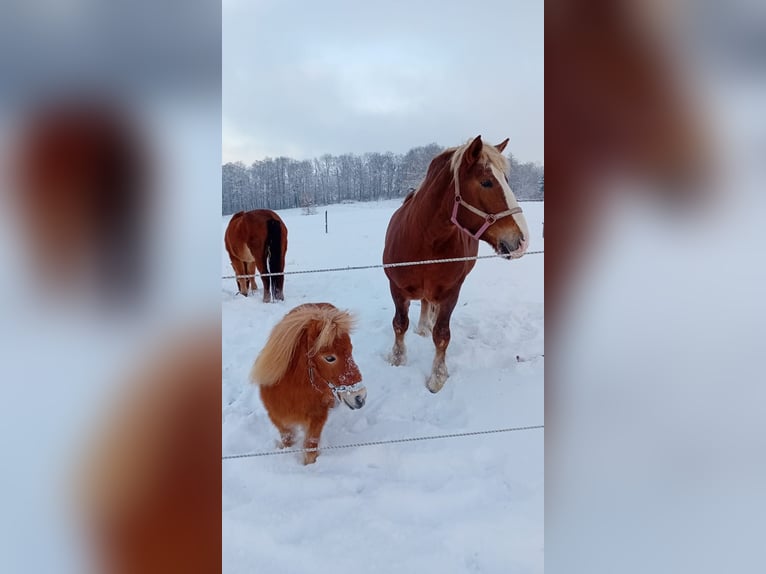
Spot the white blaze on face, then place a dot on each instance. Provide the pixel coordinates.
(510, 200)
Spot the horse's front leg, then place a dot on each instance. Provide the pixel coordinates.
(313, 432)
(401, 322)
(428, 312)
(441, 338)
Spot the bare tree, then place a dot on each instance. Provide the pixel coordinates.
(281, 183)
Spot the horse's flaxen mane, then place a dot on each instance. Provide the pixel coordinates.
(490, 156)
(278, 354)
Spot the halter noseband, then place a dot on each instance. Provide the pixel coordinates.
(336, 389)
(489, 218)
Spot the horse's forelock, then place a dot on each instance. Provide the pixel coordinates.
(334, 323)
(279, 353)
(490, 156)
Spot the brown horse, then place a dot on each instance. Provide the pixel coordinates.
(258, 239)
(464, 197)
(305, 369)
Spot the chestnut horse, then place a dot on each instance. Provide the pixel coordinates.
(464, 197)
(258, 239)
(305, 369)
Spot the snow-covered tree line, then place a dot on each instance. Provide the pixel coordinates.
(282, 182)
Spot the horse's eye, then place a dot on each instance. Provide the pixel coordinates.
(330, 358)
(486, 183)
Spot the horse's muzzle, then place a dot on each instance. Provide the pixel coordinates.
(508, 247)
(355, 400)
(512, 248)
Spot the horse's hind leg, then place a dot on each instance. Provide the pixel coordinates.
(264, 268)
(240, 269)
(313, 432)
(250, 270)
(441, 337)
(428, 312)
(401, 321)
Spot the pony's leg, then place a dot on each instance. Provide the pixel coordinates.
(286, 436)
(401, 321)
(313, 432)
(428, 313)
(286, 432)
(441, 337)
(240, 269)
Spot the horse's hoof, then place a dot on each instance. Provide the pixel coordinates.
(310, 457)
(422, 332)
(397, 359)
(435, 383)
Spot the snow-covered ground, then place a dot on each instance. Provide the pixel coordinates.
(471, 504)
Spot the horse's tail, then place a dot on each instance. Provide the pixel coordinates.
(274, 256)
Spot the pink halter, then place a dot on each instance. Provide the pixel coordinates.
(489, 218)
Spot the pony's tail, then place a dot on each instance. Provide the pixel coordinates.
(274, 256)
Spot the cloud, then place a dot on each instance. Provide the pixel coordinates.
(336, 77)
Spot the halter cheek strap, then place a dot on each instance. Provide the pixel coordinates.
(489, 218)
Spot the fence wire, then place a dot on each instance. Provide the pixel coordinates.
(377, 442)
(380, 265)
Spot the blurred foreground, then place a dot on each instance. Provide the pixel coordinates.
(655, 275)
(109, 289)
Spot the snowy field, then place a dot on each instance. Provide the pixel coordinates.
(470, 504)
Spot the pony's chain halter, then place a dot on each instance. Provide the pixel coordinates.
(336, 389)
(489, 218)
(346, 388)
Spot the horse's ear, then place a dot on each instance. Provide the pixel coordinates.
(501, 146)
(474, 151)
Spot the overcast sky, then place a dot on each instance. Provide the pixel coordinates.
(304, 78)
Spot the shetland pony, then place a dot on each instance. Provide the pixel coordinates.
(258, 239)
(464, 198)
(305, 369)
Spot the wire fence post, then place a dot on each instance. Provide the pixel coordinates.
(325, 221)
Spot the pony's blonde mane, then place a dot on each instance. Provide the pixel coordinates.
(278, 354)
